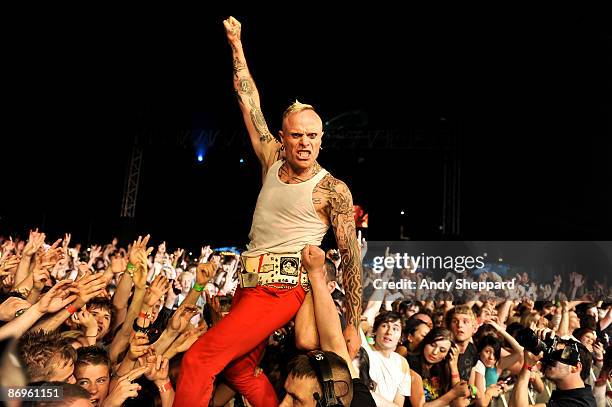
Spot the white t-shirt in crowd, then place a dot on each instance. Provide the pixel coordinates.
(391, 374)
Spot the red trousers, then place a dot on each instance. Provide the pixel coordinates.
(239, 338)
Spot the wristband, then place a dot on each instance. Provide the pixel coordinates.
(198, 287)
(526, 366)
(455, 375)
(130, 269)
(166, 387)
(71, 309)
(143, 315)
(138, 328)
(474, 391)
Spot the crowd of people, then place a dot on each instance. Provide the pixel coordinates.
(115, 322)
(283, 322)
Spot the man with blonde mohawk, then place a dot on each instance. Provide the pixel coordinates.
(298, 202)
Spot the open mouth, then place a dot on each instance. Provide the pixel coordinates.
(94, 401)
(303, 154)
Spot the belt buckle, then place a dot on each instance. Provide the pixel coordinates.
(249, 280)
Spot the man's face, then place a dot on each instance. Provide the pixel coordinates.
(557, 370)
(186, 279)
(411, 310)
(63, 372)
(103, 319)
(95, 379)
(462, 327)
(300, 392)
(574, 321)
(301, 136)
(388, 335)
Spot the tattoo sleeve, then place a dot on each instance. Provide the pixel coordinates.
(343, 222)
(248, 97)
(238, 66)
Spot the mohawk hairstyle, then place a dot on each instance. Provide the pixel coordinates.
(296, 107)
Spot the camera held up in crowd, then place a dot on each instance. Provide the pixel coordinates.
(554, 348)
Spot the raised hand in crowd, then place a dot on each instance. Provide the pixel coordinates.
(88, 324)
(139, 245)
(176, 256)
(118, 263)
(35, 241)
(206, 271)
(9, 265)
(172, 294)
(188, 338)
(139, 346)
(40, 273)
(215, 308)
(89, 287)
(156, 290)
(8, 246)
(205, 253)
(124, 388)
(180, 320)
(140, 274)
(10, 307)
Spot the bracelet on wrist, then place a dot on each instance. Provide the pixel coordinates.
(138, 328)
(130, 269)
(474, 392)
(165, 387)
(71, 309)
(144, 316)
(198, 287)
(527, 367)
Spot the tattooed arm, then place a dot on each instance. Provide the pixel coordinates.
(266, 147)
(343, 222)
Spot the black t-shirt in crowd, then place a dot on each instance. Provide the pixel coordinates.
(467, 360)
(582, 397)
(361, 395)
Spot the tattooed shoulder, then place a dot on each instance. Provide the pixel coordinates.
(336, 193)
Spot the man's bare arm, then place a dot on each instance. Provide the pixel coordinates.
(343, 222)
(266, 147)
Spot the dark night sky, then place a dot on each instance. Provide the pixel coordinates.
(528, 100)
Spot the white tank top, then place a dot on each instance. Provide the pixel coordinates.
(285, 219)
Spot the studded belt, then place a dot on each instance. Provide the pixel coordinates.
(282, 271)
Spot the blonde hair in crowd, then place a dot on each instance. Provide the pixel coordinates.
(296, 107)
(464, 310)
